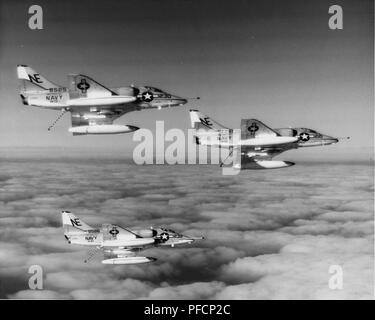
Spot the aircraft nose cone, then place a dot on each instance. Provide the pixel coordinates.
(133, 128)
(289, 163)
(330, 140)
(151, 259)
(181, 101)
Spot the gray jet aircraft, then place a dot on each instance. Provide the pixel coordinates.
(119, 245)
(258, 144)
(93, 107)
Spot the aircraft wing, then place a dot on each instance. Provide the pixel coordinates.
(99, 120)
(259, 158)
(253, 128)
(98, 115)
(113, 232)
(122, 256)
(256, 134)
(119, 253)
(94, 107)
(81, 86)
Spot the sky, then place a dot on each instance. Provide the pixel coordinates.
(272, 60)
(268, 234)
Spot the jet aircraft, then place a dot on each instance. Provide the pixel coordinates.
(119, 245)
(93, 106)
(258, 143)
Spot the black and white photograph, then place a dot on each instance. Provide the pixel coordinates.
(187, 150)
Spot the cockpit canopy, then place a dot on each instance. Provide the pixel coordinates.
(311, 132)
(170, 232)
(167, 230)
(287, 132)
(158, 92)
(293, 132)
(154, 89)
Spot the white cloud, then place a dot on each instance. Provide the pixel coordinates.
(269, 234)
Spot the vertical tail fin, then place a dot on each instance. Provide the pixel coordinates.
(201, 121)
(73, 224)
(32, 80)
(207, 130)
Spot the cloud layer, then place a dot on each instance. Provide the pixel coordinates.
(269, 234)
